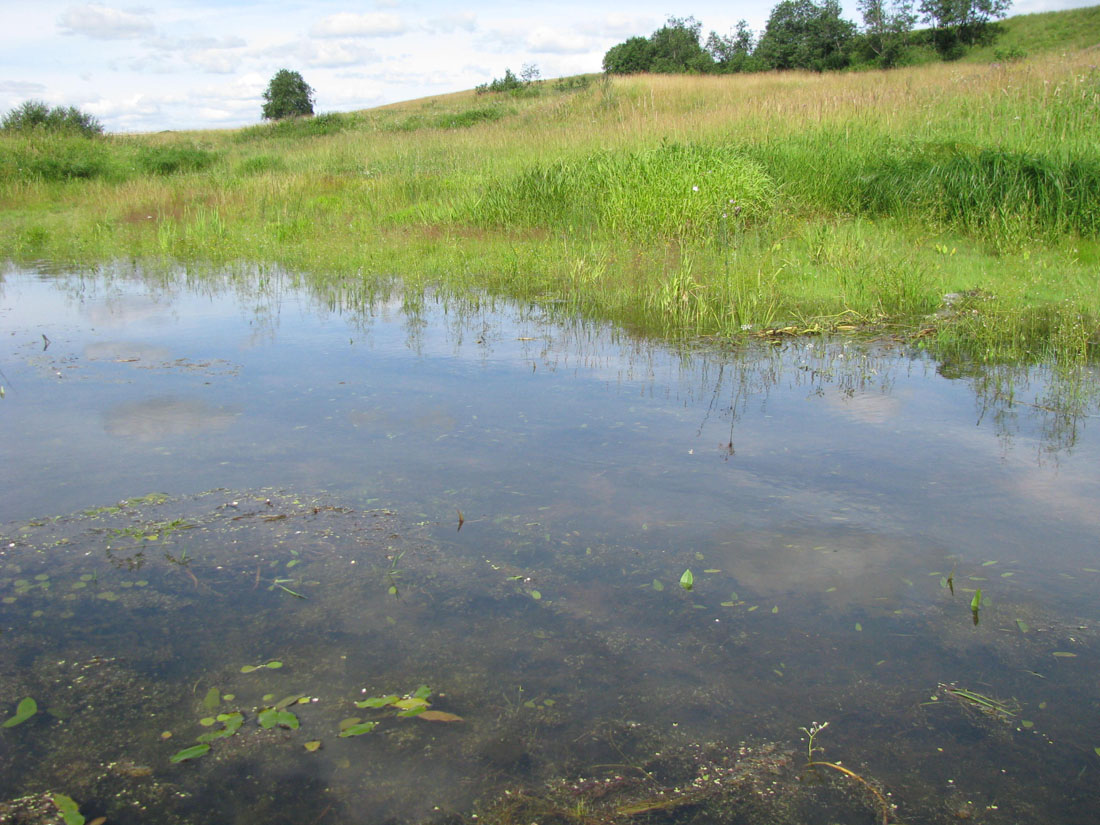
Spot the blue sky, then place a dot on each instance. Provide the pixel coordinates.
(202, 64)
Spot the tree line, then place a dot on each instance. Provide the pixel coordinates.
(804, 34)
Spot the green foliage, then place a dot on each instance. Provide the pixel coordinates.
(672, 49)
(58, 156)
(170, 160)
(37, 115)
(804, 35)
(526, 84)
(287, 95)
(629, 57)
(734, 53)
(887, 24)
(672, 191)
(986, 190)
(960, 23)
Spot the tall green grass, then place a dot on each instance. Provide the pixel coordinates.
(674, 191)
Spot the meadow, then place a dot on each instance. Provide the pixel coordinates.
(955, 205)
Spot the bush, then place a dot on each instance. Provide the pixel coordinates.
(35, 114)
(168, 160)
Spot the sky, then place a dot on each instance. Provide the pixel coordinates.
(204, 64)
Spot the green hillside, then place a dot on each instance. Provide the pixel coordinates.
(756, 204)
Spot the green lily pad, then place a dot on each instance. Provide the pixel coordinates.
(687, 581)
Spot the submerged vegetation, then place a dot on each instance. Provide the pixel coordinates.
(674, 205)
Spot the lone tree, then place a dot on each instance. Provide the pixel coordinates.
(287, 95)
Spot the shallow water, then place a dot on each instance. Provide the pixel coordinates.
(500, 505)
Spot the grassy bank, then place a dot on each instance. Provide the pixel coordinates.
(677, 206)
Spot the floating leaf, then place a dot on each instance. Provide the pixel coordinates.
(1061, 654)
(350, 722)
(378, 701)
(270, 717)
(313, 746)
(412, 711)
(687, 581)
(422, 692)
(712, 570)
(859, 627)
(287, 701)
(189, 753)
(943, 582)
(1020, 623)
(775, 609)
(274, 665)
(976, 602)
(729, 604)
(70, 811)
(988, 563)
(250, 668)
(24, 711)
(212, 699)
(439, 716)
(536, 595)
(207, 721)
(657, 585)
(1097, 751)
(358, 730)
(410, 703)
(1026, 724)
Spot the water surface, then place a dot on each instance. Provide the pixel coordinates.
(210, 472)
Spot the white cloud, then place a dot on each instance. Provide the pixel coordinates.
(334, 53)
(20, 88)
(464, 21)
(621, 25)
(104, 23)
(550, 41)
(370, 24)
(216, 61)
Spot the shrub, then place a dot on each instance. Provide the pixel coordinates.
(35, 114)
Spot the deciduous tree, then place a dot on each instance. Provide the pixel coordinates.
(287, 95)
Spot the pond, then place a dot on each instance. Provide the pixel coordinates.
(273, 552)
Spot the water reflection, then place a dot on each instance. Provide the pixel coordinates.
(838, 504)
